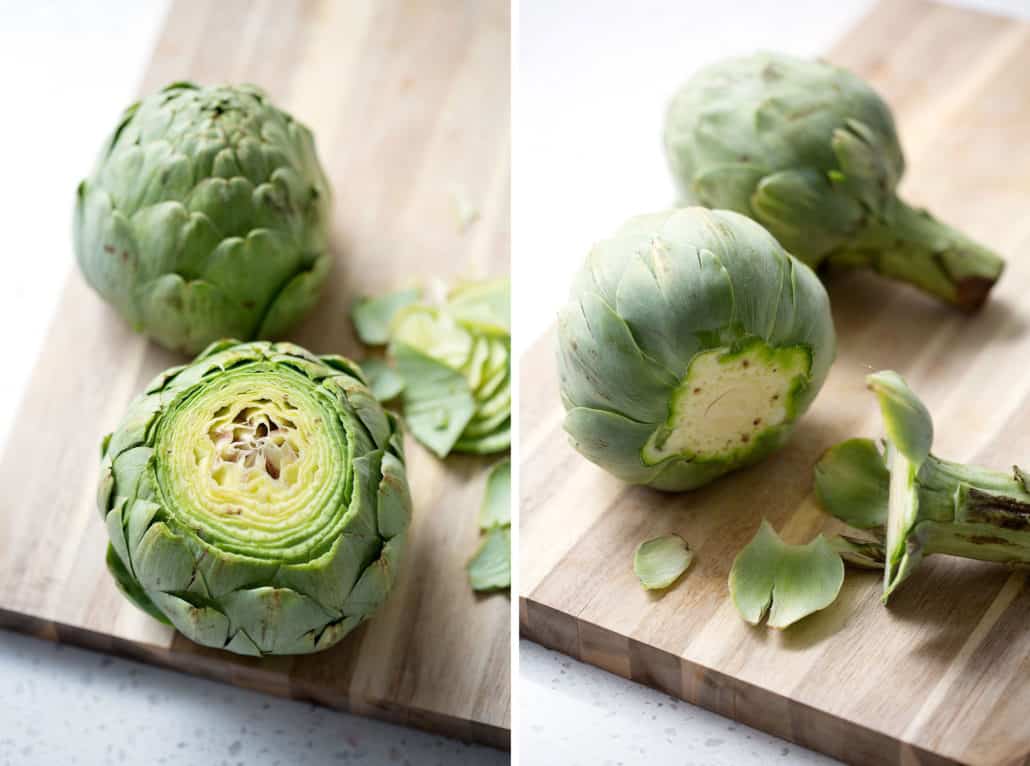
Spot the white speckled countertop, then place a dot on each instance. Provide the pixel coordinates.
(577, 715)
(63, 705)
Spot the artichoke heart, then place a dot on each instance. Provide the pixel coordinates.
(257, 499)
(206, 217)
(691, 344)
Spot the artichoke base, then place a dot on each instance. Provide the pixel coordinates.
(730, 401)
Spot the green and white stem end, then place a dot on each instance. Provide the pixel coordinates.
(914, 503)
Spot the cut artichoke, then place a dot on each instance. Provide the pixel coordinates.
(914, 503)
(256, 499)
(810, 151)
(453, 361)
(206, 217)
(690, 346)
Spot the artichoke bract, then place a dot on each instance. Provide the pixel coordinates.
(810, 151)
(256, 499)
(206, 217)
(691, 344)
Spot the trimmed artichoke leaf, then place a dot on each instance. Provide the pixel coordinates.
(373, 317)
(852, 483)
(490, 566)
(437, 401)
(384, 381)
(659, 562)
(496, 507)
(487, 445)
(483, 306)
(785, 582)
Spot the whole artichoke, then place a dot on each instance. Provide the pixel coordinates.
(691, 344)
(256, 499)
(809, 151)
(206, 217)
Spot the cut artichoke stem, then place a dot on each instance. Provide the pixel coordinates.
(910, 245)
(925, 505)
(729, 401)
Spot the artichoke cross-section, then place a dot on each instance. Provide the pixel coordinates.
(257, 499)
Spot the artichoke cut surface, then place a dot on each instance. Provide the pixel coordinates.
(691, 344)
(206, 217)
(257, 499)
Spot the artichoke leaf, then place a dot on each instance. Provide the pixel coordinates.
(659, 562)
(373, 317)
(490, 566)
(496, 507)
(785, 582)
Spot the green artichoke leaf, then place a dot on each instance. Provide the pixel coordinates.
(659, 562)
(602, 367)
(803, 210)
(386, 383)
(130, 588)
(851, 483)
(373, 317)
(727, 186)
(905, 418)
(437, 401)
(496, 507)
(695, 298)
(784, 582)
(483, 306)
(865, 167)
(490, 566)
(496, 441)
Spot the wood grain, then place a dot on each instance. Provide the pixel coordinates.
(406, 99)
(943, 675)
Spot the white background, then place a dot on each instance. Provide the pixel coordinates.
(592, 82)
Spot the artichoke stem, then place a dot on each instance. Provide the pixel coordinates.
(910, 245)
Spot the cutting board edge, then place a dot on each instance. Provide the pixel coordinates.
(216, 669)
(718, 692)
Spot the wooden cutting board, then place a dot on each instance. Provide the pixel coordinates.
(409, 103)
(941, 676)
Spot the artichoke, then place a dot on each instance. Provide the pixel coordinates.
(206, 217)
(256, 499)
(691, 344)
(810, 151)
